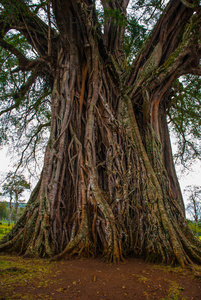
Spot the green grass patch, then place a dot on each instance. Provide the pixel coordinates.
(4, 229)
(174, 292)
(20, 272)
(193, 227)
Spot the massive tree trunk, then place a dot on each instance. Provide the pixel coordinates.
(108, 185)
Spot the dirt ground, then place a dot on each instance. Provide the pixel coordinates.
(22, 278)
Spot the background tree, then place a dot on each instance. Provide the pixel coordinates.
(14, 187)
(194, 206)
(7, 191)
(20, 210)
(184, 114)
(108, 185)
(3, 210)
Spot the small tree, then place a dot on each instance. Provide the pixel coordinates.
(3, 210)
(20, 209)
(194, 207)
(14, 186)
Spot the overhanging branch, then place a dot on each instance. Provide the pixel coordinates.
(167, 33)
(22, 59)
(37, 132)
(194, 71)
(190, 5)
(29, 24)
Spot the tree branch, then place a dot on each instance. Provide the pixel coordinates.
(190, 5)
(8, 109)
(114, 29)
(194, 71)
(167, 33)
(30, 25)
(191, 114)
(125, 3)
(22, 59)
(40, 127)
(18, 96)
(73, 17)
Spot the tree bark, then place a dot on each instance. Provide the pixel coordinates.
(108, 186)
(168, 160)
(10, 212)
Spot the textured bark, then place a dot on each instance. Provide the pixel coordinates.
(168, 160)
(108, 185)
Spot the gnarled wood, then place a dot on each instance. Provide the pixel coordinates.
(108, 187)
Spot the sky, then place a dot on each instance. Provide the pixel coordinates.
(6, 165)
(187, 177)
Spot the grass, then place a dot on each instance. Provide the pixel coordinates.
(192, 225)
(35, 279)
(24, 275)
(4, 229)
(174, 292)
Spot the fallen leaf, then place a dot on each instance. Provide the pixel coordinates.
(61, 289)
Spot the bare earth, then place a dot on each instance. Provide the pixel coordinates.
(93, 279)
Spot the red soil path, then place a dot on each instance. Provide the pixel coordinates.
(93, 279)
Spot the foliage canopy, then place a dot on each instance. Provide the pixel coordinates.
(25, 94)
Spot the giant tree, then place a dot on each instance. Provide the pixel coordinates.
(108, 185)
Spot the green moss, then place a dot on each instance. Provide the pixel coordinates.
(17, 271)
(174, 292)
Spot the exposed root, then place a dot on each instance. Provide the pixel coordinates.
(80, 247)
